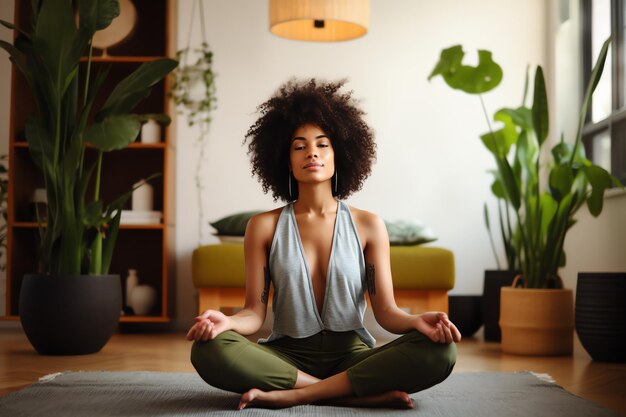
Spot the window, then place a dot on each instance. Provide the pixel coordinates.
(604, 134)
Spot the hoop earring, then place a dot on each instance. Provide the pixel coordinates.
(290, 185)
(336, 180)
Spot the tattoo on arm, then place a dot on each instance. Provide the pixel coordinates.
(266, 287)
(370, 277)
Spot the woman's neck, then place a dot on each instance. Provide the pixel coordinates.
(315, 199)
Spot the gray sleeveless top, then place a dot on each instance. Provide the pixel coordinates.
(295, 310)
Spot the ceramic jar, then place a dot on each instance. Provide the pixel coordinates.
(151, 132)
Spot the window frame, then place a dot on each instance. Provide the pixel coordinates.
(615, 123)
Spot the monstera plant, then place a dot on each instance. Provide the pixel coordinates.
(543, 210)
(80, 229)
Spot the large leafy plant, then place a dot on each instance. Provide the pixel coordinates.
(543, 210)
(81, 229)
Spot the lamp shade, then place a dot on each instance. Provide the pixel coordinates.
(319, 20)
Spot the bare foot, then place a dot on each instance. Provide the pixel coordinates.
(271, 399)
(289, 398)
(391, 399)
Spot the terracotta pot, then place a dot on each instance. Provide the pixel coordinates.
(537, 321)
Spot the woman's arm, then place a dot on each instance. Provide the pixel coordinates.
(435, 325)
(249, 320)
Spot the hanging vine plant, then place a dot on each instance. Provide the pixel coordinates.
(193, 86)
(193, 91)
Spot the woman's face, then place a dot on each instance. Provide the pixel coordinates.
(311, 155)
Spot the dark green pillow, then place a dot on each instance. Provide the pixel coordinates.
(234, 225)
(408, 232)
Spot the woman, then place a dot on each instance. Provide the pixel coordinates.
(311, 148)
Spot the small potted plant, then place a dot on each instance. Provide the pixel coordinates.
(73, 305)
(538, 318)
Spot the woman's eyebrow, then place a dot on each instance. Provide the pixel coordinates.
(303, 138)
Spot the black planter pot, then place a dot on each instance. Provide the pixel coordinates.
(465, 311)
(601, 315)
(494, 280)
(70, 315)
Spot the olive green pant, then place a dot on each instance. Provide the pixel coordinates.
(410, 363)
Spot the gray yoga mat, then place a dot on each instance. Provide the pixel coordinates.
(463, 394)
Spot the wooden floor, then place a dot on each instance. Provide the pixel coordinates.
(20, 366)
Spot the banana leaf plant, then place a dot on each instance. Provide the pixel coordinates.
(543, 211)
(81, 229)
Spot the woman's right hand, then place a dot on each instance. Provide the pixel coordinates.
(208, 325)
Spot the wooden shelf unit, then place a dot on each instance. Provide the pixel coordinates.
(147, 248)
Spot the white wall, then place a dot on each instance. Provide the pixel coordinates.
(431, 164)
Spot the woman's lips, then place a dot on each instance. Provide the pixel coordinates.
(313, 165)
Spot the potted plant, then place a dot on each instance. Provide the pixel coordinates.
(478, 80)
(72, 306)
(538, 318)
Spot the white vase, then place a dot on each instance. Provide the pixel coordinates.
(131, 283)
(142, 299)
(151, 132)
(142, 196)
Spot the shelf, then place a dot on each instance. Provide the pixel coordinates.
(134, 145)
(34, 225)
(118, 59)
(145, 247)
(144, 319)
(123, 319)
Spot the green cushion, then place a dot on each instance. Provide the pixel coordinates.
(408, 232)
(234, 225)
(401, 232)
(412, 267)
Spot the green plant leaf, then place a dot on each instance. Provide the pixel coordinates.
(596, 73)
(562, 153)
(114, 132)
(473, 80)
(600, 180)
(509, 182)
(498, 189)
(548, 210)
(55, 41)
(540, 107)
(93, 214)
(19, 59)
(39, 145)
(521, 117)
(98, 14)
(135, 87)
(561, 180)
(499, 142)
(108, 244)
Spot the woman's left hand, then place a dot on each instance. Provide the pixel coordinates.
(437, 326)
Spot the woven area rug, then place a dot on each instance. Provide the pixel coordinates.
(185, 394)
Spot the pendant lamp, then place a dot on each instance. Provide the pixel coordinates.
(319, 20)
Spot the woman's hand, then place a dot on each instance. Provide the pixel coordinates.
(437, 326)
(208, 325)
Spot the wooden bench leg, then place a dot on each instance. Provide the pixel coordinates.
(420, 301)
(216, 298)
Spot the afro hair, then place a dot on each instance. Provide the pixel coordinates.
(295, 104)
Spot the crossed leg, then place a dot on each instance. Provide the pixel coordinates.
(380, 377)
